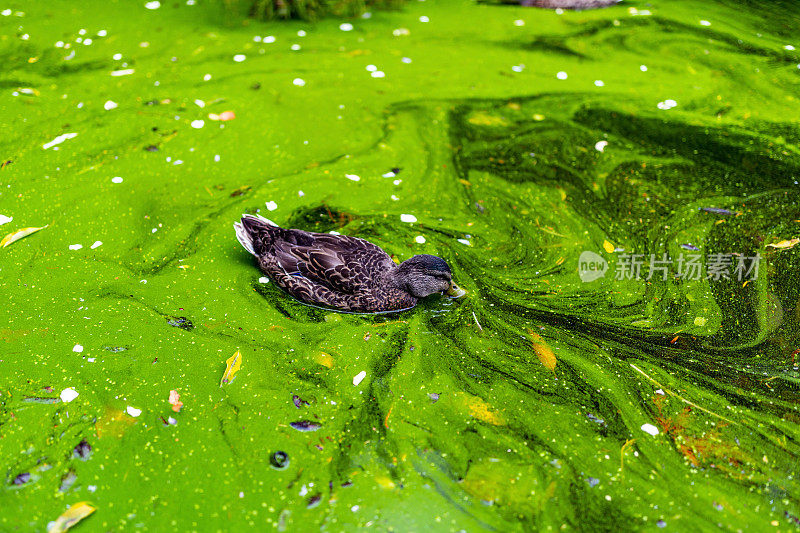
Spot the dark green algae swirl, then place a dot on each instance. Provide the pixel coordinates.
(459, 423)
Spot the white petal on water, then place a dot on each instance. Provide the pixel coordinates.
(788, 47)
(300, 82)
(353, 177)
(77, 348)
(423, 18)
(650, 428)
(271, 206)
(263, 279)
(599, 83)
(561, 75)
(705, 23)
(5, 220)
(378, 74)
(464, 242)
(116, 179)
(359, 378)
(420, 239)
(346, 26)
(69, 394)
(268, 39)
(134, 412)
(75, 246)
(60, 139)
(643, 68)
(96, 244)
(372, 68)
(155, 4)
(123, 72)
(197, 124)
(109, 105)
(239, 58)
(600, 145)
(407, 218)
(389, 174)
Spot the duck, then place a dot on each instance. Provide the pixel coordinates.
(340, 272)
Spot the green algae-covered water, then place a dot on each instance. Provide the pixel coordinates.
(570, 167)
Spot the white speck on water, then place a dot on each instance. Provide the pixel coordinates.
(420, 239)
(241, 494)
(519, 22)
(295, 47)
(26, 36)
(465, 242)
(207, 77)
(5, 220)
(299, 82)
(134, 412)
(378, 74)
(389, 174)
(75, 246)
(667, 104)
(177, 162)
(393, 197)
(660, 392)
(346, 26)
(366, 15)
(197, 124)
(353, 177)
(600, 145)
(359, 378)
(300, 194)
(91, 488)
(199, 103)
(301, 33)
(399, 32)
(153, 5)
(153, 230)
(96, 244)
(650, 428)
(268, 39)
(423, 18)
(257, 38)
(705, 23)
(69, 394)
(354, 508)
(59, 44)
(109, 105)
(60, 139)
(408, 218)
(91, 359)
(239, 58)
(561, 75)
(599, 83)
(77, 348)
(559, 11)
(116, 179)
(6, 12)
(518, 68)
(216, 158)
(87, 42)
(122, 72)
(397, 182)
(102, 33)
(334, 232)
(643, 68)
(406, 60)
(271, 206)
(788, 47)
(371, 68)
(263, 279)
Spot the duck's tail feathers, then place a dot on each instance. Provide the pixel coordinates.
(250, 227)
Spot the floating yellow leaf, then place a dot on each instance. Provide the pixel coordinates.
(17, 235)
(234, 364)
(608, 247)
(480, 409)
(324, 359)
(785, 245)
(543, 351)
(71, 516)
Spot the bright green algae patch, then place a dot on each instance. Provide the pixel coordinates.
(458, 424)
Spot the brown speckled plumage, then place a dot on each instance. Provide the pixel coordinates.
(338, 271)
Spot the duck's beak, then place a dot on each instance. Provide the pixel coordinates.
(454, 291)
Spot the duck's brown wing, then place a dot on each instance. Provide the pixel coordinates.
(346, 265)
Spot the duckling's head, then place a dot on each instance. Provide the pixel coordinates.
(423, 275)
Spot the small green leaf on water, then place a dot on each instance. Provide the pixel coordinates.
(234, 364)
(70, 517)
(17, 235)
